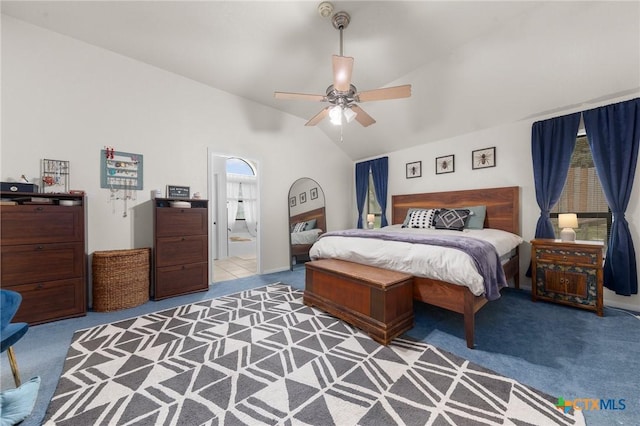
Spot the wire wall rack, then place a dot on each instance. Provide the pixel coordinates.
(54, 175)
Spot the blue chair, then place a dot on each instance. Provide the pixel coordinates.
(11, 332)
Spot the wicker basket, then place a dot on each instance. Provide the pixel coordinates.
(120, 279)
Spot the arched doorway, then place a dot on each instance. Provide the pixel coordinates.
(235, 236)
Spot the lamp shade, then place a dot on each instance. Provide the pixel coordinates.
(567, 220)
(371, 217)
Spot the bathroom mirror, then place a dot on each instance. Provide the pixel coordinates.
(307, 218)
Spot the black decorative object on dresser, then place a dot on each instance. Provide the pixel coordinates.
(44, 254)
(181, 247)
(568, 272)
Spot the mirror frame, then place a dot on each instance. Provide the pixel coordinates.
(318, 213)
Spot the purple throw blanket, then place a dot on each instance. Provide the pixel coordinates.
(484, 254)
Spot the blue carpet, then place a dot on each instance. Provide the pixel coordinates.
(562, 351)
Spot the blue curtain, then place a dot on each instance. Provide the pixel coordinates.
(613, 132)
(552, 143)
(362, 184)
(380, 172)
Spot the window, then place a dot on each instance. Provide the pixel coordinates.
(372, 202)
(582, 194)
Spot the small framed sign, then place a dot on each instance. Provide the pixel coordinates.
(174, 191)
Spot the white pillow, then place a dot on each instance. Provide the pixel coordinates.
(422, 219)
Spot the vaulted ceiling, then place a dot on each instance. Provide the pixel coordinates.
(472, 65)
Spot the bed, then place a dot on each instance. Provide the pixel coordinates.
(502, 213)
(302, 241)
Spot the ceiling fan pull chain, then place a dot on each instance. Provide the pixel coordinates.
(341, 140)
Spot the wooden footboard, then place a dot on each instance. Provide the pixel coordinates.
(453, 297)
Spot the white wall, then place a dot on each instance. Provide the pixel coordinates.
(513, 168)
(64, 99)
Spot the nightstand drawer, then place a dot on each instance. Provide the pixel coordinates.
(566, 256)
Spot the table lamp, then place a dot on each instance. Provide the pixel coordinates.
(370, 219)
(567, 221)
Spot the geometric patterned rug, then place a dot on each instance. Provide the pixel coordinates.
(262, 357)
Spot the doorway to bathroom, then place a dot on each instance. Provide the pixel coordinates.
(234, 239)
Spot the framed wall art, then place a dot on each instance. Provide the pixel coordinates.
(414, 169)
(483, 158)
(313, 193)
(292, 201)
(303, 197)
(445, 164)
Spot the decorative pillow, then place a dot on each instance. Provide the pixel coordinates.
(16, 404)
(407, 218)
(299, 227)
(453, 219)
(311, 224)
(422, 218)
(476, 219)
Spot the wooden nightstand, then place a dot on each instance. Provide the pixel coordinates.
(567, 272)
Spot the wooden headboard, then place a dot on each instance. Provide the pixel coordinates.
(503, 205)
(317, 214)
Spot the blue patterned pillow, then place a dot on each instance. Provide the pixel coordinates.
(422, 219)
(453, 219)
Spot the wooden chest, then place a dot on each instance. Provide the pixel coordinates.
(375, 300)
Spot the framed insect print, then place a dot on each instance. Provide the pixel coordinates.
(483, 158)
(414, 169)
(445, 164)
(292, 201)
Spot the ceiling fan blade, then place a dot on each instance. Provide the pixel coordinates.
(362, 117)
(318, 117)
(299, 96)
(342, 69)
(384, 93)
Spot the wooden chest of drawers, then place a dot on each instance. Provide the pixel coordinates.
(181, 249)
(44, 256)
(568, 272)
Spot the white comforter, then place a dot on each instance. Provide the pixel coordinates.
(422, 260)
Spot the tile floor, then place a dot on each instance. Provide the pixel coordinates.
(234, 267)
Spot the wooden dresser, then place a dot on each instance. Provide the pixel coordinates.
(568, 272)
(181, 248)
(44, 255)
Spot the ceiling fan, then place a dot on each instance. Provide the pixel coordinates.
(343, 96)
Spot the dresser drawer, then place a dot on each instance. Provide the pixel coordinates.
(179, 250)
(172, 222)
(584, 257)
(181, 279)
(38, 224)
(47, 301)
(31, 263)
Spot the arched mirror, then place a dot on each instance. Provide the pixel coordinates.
(307, 218)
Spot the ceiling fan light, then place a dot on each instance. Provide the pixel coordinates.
(335, 115)
(349, 114)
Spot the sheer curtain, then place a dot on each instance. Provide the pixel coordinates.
(233, 196)
(613, 132)
(249, 201)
